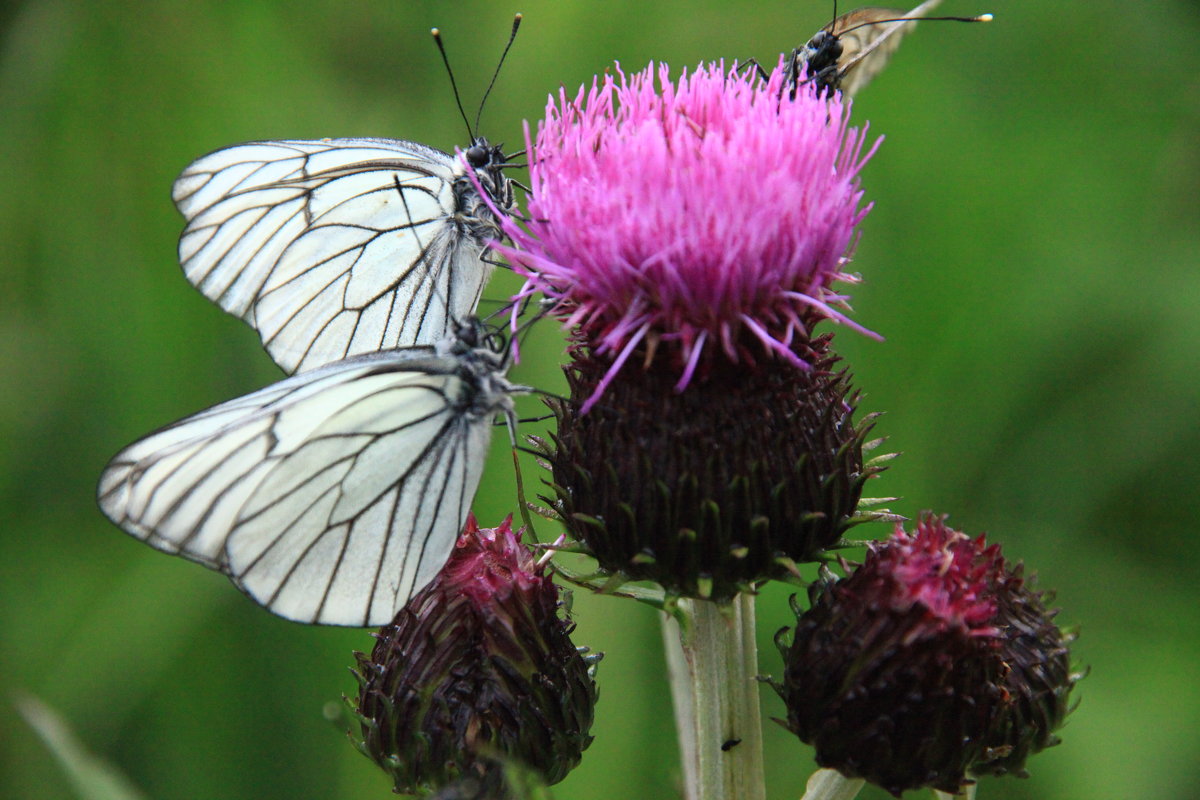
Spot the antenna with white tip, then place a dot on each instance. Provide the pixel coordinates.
(437, 38)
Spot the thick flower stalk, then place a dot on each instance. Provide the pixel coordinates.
(921, 668)
(477, 676)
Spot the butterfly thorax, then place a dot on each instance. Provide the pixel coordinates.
(479, 354)
(472, 212)
(485, 389)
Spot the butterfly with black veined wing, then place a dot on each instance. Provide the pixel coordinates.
(329, 497)
(848, 52)
(335, 247)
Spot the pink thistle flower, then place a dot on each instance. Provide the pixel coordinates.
(490, 564)
(709, 212)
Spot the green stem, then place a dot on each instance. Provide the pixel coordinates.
(968, 793)
(829, 784)
(712, 659)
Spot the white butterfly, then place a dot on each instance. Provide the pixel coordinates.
(329, 497)
(338, 247)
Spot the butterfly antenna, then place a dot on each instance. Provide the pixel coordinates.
(912, 16)
(512, 37)
(437, 38)
(977, 18)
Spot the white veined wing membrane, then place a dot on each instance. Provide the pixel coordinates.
(330, 497)
(338, 247)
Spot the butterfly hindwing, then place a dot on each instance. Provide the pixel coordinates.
(336, 247)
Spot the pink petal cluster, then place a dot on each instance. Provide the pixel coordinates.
(709, 211)
(954, 578)
(490, 564)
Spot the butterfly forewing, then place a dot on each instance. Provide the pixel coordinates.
(329, 497)
(335, 247)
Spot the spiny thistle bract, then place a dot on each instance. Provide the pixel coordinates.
(917, 669)
(710, 490)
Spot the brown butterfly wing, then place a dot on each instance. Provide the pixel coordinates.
(866, 50)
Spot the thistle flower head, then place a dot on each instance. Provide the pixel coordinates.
(912, 671)
(476, 672)
(489, 565)
(711, 213)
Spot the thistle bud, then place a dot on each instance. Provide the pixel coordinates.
(476, 673)
(917, 669)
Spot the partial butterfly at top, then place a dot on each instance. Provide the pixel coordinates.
(332, 496)
(336, 247)
(848, 52)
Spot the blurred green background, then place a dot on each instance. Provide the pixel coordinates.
(1031, 259)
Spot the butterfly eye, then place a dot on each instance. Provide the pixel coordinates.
(477, 156)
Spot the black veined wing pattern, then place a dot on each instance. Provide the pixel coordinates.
(336, 247)
(329, 497)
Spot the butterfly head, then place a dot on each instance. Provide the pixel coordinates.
(472, 335)
(488, 162)
(820, 55)
(482, 154)
(822, 52)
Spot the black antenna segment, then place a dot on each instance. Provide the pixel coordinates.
(437, 39)
(512, 37)
(979, 18)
